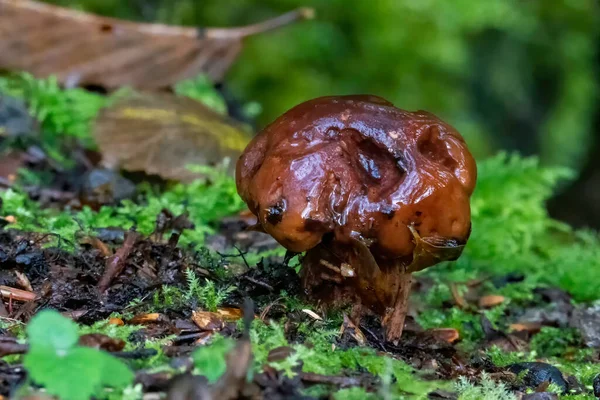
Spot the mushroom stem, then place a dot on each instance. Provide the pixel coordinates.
(394, 322)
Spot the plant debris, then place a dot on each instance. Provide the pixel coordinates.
(164, 134)
(82, 49)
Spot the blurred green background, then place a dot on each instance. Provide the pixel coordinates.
(508, 74)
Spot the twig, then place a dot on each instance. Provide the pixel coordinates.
(259, 283)
(375, 337)
(116, 262)
(243, 255)
(3, 310)
(16, 294)
(9, 347)
(188, 336)
(340, 381)
(136, 354)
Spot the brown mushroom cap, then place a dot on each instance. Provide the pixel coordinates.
(356, 167)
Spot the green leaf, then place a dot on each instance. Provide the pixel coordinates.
(115, 373)
(49, 329)
(74, 376)
(65, 369)
(210, 360)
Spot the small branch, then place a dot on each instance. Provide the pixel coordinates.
(16, 294)
(10, 347)
(136, 354)
(339, 381)
(259, 283)
(116, 262)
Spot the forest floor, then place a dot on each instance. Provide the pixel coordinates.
(166, 278)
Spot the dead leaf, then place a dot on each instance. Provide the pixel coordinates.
(204, 338)
(116, 321)
(491, 300)
(355, 332)
(207, 321)
(229, 313)
(143, 319)
(86, 49)
(102, 342)
(312, 314)
(448, 335)
(280, 353)
(23, 281)
(531, 327)
(163, 134)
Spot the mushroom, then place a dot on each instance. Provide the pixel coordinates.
(370, 192)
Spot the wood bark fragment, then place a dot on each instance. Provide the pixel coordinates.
(394, 325)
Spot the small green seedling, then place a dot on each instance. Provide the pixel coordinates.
(65, 369)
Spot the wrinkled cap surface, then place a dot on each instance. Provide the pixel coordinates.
(356, 167)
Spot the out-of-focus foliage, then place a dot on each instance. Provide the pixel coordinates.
(65, 369)
(507, 73)
(62, 114)
(202, 89)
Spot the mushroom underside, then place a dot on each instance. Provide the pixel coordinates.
(339, 274)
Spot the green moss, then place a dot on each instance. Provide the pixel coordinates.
(319, 356)
(63, 114)
(355, 393)
(210, 360)
(555, 342)
(486, 389)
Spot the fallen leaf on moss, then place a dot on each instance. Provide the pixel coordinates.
(163, 134)
(207, 321)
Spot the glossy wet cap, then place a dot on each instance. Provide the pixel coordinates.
(356, 167)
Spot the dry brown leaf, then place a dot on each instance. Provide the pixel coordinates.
(116, 321)
(87, 49)
(147, 319)
(280, 353)
(163, 134)
(230, 313)
(354, 331)
(491, 300)
(101, 341)
(531, 327)
(312, 314)
(448, 335)
(207, 321)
